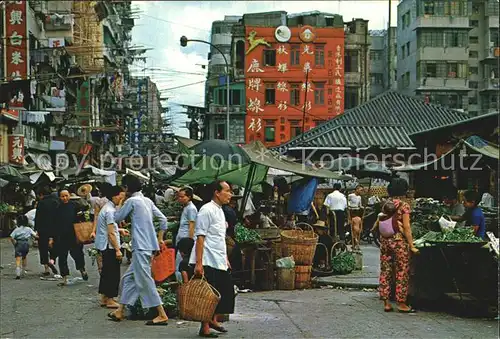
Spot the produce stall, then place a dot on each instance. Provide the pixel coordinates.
(452, 263)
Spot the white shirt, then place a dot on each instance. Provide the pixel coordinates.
(169, 194)
(354, 200)
(336, 201)
(31, 217)
(211, 223)
(30, 199)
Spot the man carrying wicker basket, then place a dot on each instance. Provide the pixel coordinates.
(209, 256)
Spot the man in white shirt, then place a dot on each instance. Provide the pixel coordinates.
(336, 203)
(210, 253)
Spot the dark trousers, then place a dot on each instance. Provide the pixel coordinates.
(221, 281)
(340, 224)
(43, 249)
(110, 274)
(75, 250)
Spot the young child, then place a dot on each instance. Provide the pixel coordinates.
(389, 211)
(20, 239)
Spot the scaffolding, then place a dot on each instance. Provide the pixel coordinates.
(88, 46)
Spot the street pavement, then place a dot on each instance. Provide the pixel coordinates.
(32, 308)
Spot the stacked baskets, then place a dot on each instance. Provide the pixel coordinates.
(301, 244)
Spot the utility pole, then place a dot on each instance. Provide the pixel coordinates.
(389, 49)
(305, 106)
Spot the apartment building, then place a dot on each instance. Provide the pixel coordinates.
(448, 53)
(284, 61)
(380, 77)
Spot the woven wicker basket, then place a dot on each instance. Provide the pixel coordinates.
(83, 232)
(299, 244)
(197, 300)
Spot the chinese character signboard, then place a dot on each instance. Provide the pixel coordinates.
(335, 62)
(16, 149)
(16, 57)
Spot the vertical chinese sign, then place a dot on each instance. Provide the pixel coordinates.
(336, 79)
(16, 54)
(16, 149)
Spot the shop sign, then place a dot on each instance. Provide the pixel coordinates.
(16, 149)
(85, 149)
(307, 34)
(335, 62)
(83, 98)
(16, 57)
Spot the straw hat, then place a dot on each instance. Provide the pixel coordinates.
(320, 223)
(73, 196)
(177, 189)
(84, 190)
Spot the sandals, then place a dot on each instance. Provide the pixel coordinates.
(206, 335)
(217, 328)
(388, 309)
(85, 276)
(159, 323)
(113, 317)
(411, 310)
(53, 269)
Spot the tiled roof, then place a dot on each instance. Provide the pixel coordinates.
(388, 109)
(360, 137)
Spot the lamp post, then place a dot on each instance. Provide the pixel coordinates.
(184, 42)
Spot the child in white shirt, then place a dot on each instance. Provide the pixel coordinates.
(20, 238)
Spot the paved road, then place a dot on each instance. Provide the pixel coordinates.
(32, 308)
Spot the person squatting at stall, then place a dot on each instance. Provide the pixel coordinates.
(186, 223)
(137, 281)
(107, 241)
(210, 253)
(46, 209)
(65, 238)
(396, 241)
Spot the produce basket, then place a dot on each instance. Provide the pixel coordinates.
(286, 278)
(83, 232)
(303, 276)
(300, 244)
(197, 300)
(343, 261)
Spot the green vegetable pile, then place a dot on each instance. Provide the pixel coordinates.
(425, 216)
(4, 207)
(245, 235)
(343, 263)
(169, 299)
(458, 235)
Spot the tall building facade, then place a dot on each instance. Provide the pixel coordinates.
(382, 74)
(269, 69)
(448, 53)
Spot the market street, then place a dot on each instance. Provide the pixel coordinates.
(39, 309)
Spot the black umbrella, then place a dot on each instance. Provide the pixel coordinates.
(11, 174)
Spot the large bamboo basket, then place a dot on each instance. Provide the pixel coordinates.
(197, 300)
(300, 244)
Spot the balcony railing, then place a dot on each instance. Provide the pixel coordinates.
(222, 109)
(491, 84)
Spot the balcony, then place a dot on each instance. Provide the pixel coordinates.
(443, 53)
(492, 84)
(441, 22)
(352, 78)
(492, 22)
(443, 84)
(38, 145)
(222, 109)
(492, 52)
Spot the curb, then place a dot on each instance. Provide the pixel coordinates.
(346, 284)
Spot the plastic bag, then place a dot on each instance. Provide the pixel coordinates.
(446, 224)
(286, 262)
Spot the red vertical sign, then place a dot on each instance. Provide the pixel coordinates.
(16, 149)
(16, 55)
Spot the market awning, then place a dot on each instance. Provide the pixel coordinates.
(259, 154)
(473, 143)
(187, 142)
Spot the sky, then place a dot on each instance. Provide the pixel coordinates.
(160, 24)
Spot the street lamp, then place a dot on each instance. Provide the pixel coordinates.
(184, 42)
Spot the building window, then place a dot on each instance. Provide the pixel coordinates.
(493, 8)
(473, 70)
(270, 94)
(495, 37)
(217, 30)
(269, 57)
(405, 19)
(446, 99)
(319, 57)
(408, 48)
(377, 78)
(406, 79)
(473, 54)
(429, 38)
(270, 131)
(428, 8)
(295, 55)
(375, 55)
(295, 94)
(473, 84)
(235, 97)
(351, 97)
(319, 122)
(473, 40)
(319, 93)
(442, 69)
(295, 131)
(474, 23)
(456, 39)
(444, 8)
(221, 96)
(220, 131)
(351, 61)
(473, 100)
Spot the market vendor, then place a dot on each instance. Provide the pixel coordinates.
(456, 207)
(474, 215)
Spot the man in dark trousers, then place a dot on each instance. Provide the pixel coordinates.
(45, 217)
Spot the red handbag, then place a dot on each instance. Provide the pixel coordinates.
(163, 264)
